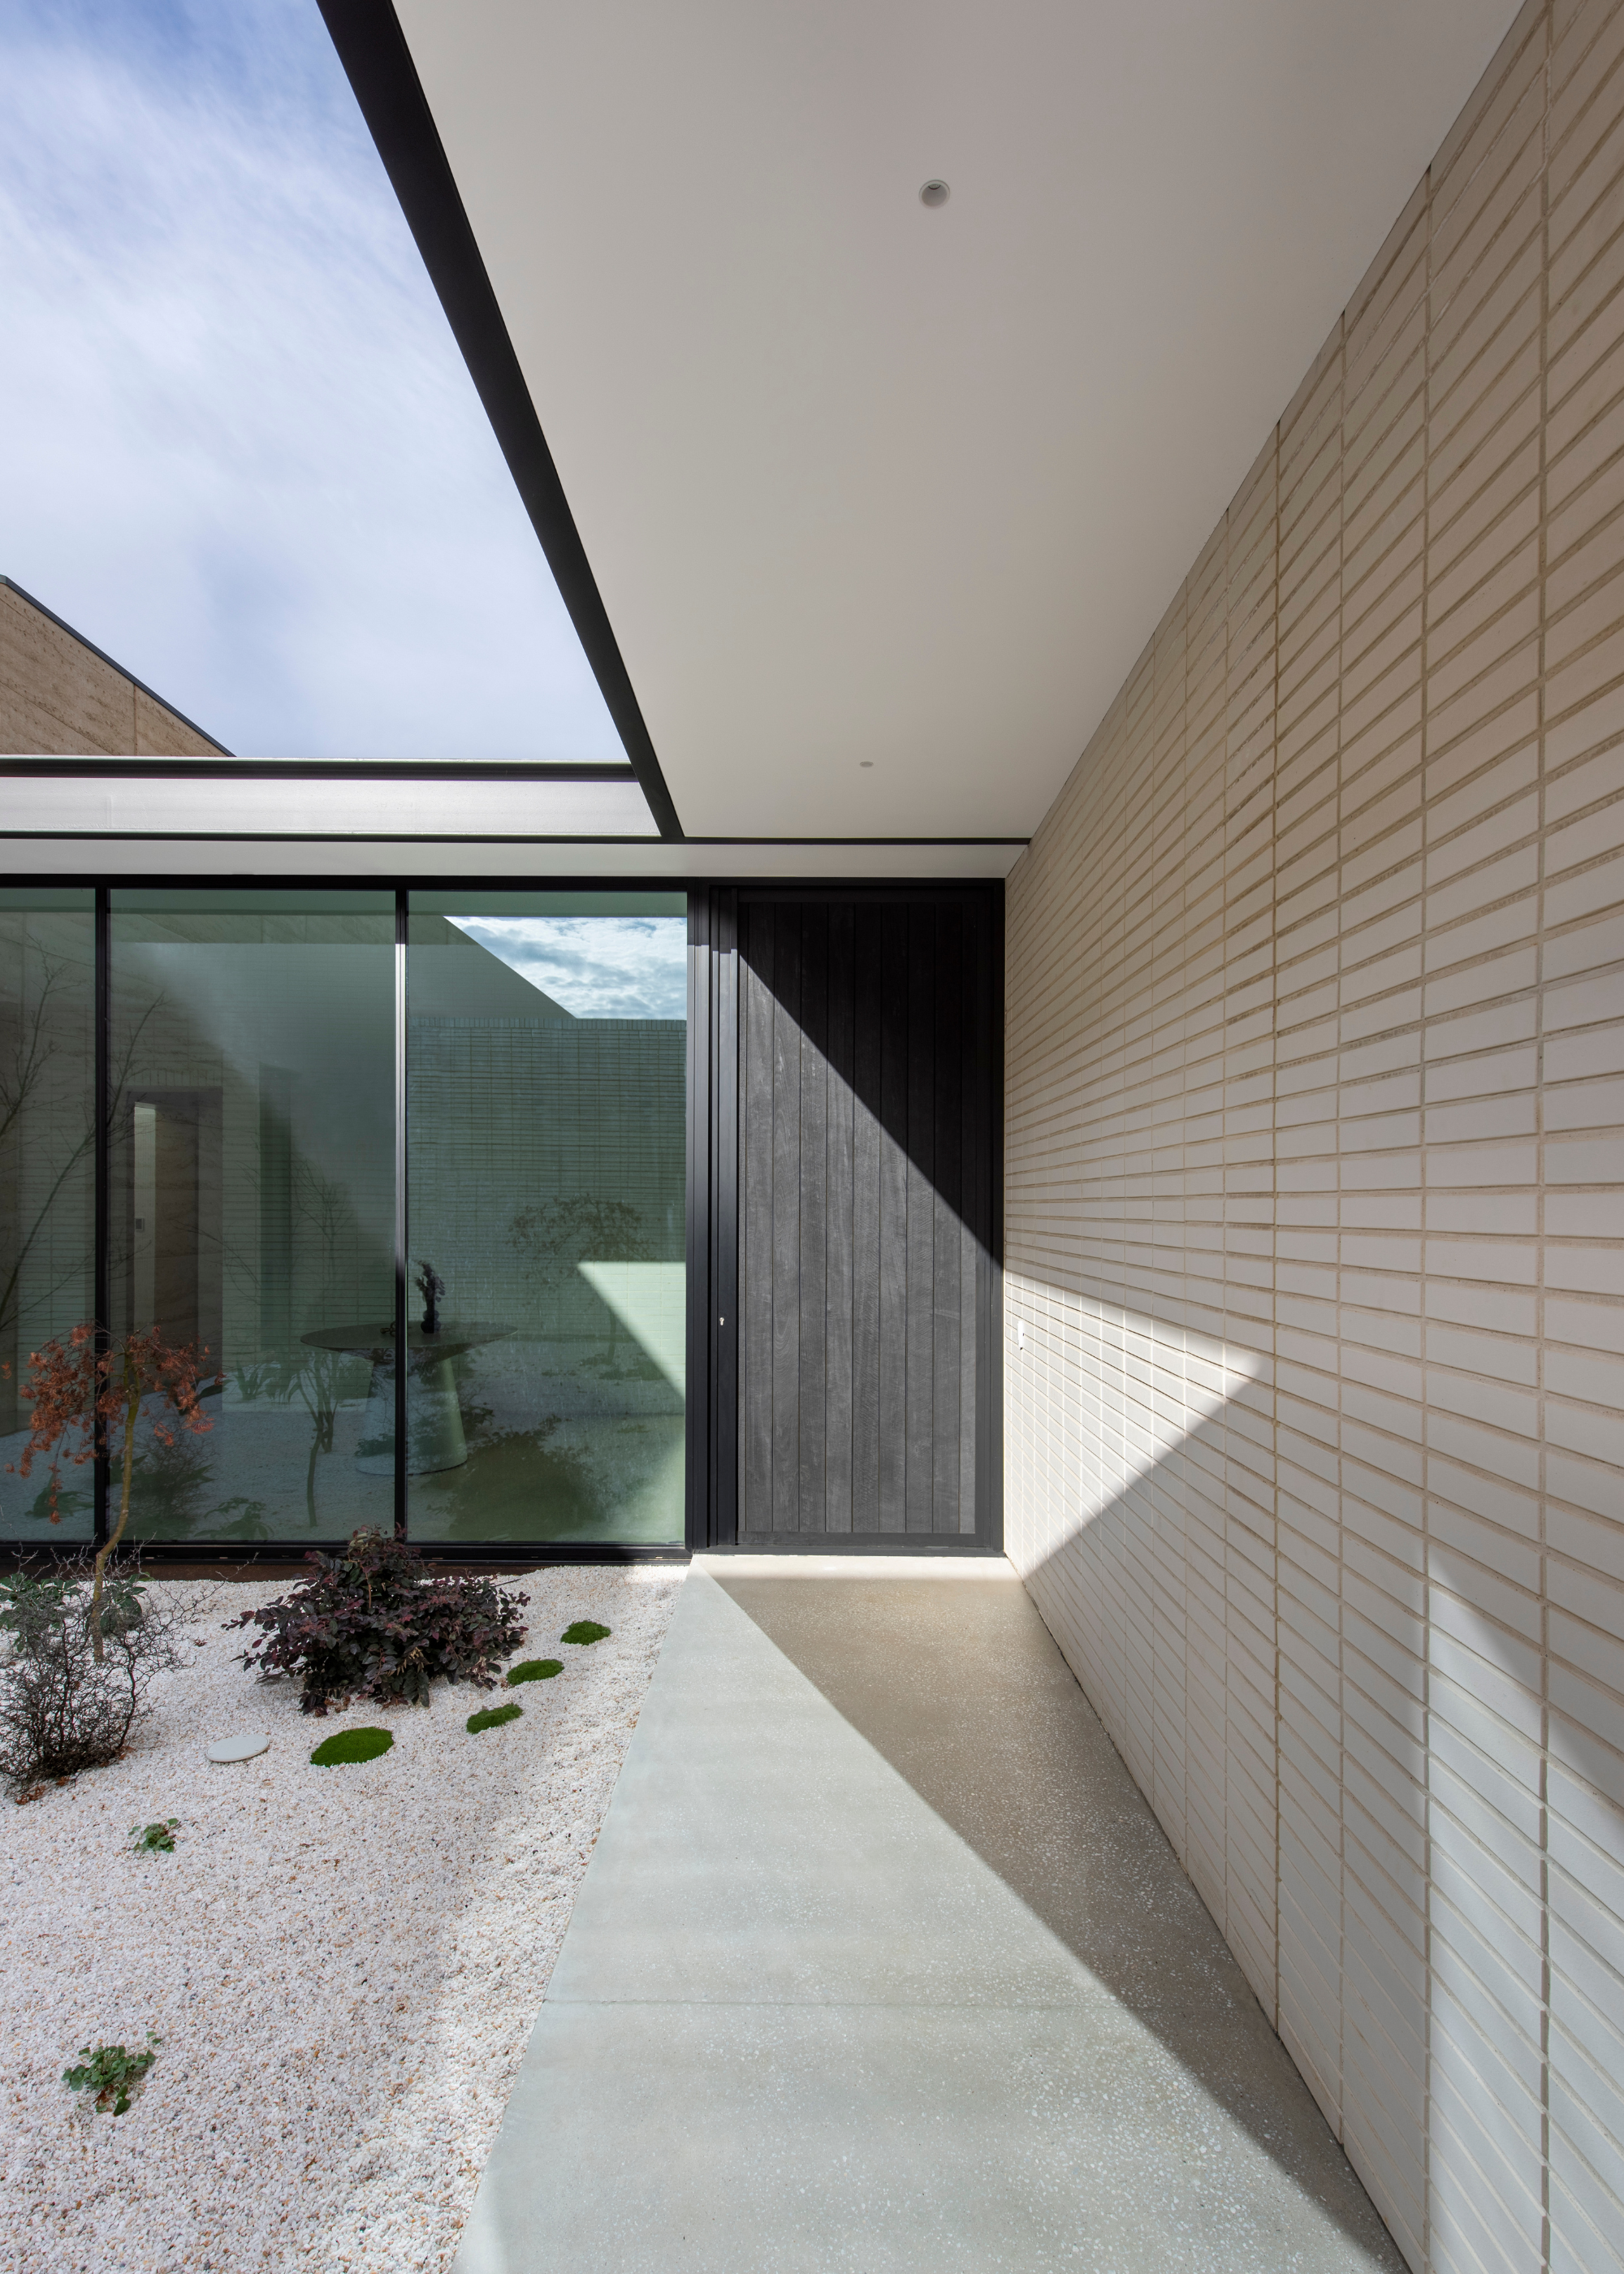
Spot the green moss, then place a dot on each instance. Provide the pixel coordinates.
(493, 1718)
(351, 1745)
(585, 1630)
(534, 1669)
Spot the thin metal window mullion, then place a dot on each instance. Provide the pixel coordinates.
(723, 1103)
(101, 1106)
(402, 1354)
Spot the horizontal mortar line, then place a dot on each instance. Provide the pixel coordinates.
(857, 840)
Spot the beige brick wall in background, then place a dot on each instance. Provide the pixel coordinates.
(1315, 1174)
(59, 698)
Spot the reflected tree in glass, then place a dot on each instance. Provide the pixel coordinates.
(560, 1236)
(47, 1168)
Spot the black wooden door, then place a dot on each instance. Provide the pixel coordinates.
(869, 1025)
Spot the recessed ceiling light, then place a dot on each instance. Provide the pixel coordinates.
(934, 193)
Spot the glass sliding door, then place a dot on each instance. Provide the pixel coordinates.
(251, 1200)
(546, 1045)
(47, 1179)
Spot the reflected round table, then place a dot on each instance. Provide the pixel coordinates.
(434, 1439)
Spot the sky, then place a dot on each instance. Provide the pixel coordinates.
(595, 966)
(244, 456)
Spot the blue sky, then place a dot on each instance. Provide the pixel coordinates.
(244, 455)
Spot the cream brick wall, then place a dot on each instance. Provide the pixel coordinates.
(1315, 1177)
(59, 698)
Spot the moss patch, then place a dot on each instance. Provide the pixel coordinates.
(534, 1669)
(493, 1718)
(351, 1745)
(585, 1630)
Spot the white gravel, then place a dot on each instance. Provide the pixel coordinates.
(343, 1964)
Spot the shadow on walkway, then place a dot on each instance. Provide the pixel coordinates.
(959, 1685)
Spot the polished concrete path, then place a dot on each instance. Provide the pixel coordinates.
(882, 1963)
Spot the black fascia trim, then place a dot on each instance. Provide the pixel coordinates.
(373, 50)
(292, 837)
(102, 655)
(496, 1557)
(891, 888)
(857, 840)
(208, 880)
(389, 770)
(491, 881)
(910, 1546)
(441, 837)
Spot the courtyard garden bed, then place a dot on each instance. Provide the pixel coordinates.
(340, 1966)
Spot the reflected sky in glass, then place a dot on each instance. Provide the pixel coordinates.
(593, 966)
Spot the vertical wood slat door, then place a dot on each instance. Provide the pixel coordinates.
(868, 1086)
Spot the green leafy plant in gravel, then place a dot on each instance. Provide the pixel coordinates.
(534, 1669)
(32, 1604)
(346, 1745)
(154, 1838)
(492, 1718)
(75, 1674)
(585, 1630)
(109, 2071)
(373, 1623)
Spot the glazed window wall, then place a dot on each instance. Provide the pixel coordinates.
(326, 1117)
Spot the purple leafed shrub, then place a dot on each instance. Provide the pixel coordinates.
(370, 1623)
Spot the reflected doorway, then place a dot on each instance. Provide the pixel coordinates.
(173, 1204)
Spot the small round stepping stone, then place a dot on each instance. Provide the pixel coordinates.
(238, 1749)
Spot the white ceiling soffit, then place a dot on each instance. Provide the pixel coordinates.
(512, 858)
(865, 481)
(89, 803)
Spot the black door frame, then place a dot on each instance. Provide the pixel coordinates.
(713, 1222)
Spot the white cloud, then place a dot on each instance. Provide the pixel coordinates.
(244, 455)
(595, 966)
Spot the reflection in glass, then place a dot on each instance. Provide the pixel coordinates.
(251, 1155)
(546, 1119)
(47, 1177)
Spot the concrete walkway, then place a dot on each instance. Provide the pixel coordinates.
(882, 1963)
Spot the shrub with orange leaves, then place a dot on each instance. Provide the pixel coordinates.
(80, 1395)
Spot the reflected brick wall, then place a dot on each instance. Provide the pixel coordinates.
(1315, 1232)
(510, 1114)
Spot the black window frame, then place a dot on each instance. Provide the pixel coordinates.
(711, 1482)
